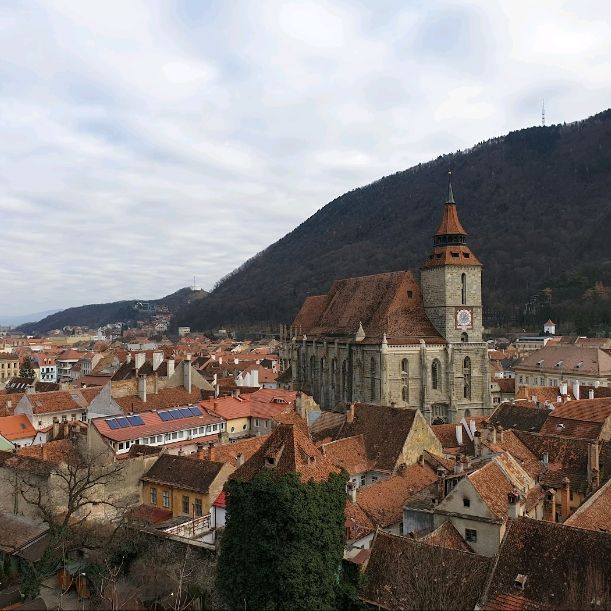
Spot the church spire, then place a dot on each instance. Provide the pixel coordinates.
(450, 194)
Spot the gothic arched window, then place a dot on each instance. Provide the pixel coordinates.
(333, 375)
(372, 379)
(405, 380)
(436, 375)
(405, 394)
(463, 288)
(467, 378)
(312, 368)
(344, 389)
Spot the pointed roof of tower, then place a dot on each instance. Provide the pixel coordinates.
(450, 225)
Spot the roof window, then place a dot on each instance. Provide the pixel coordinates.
(520, 581)
(455, 254)
(559, 363)
(466, 255)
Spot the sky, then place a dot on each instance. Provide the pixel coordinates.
(143, 143)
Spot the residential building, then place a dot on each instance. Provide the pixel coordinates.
(183, 485)
(387, 340)
(542, 565)
(9, 367)
(404, 574)
(179, 430)
(17, 431)
(595, 513)
(573, 364)
(64, 362)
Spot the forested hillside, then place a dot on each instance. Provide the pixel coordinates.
(99, 314)
(536, 204)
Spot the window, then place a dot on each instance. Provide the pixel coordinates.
(73, 416)
(466, 502)
(233, 429)
(363, 480)
(436, 375)
(185, 504)
(372, 380)
(257, 422)
(410, 294)
(374, 478)
(214, 426)
(159, 438)
(467, 378)
(463, 288)
(344, 389)
(174, 435)
(470, 535)
(405, 394)
(153, 496)
(121, 446)
(198, 508)
(312, 368)
(166, 498)
(464, 338)
(244, 428)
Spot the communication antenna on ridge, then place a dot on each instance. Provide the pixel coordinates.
(543, 114)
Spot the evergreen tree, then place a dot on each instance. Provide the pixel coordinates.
(27, 370)
(283, 543)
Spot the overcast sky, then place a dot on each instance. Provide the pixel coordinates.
(142, 143)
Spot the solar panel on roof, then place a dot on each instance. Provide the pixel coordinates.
(122, 422)
(135, 420)
(185, 411)
(175, 414)
(113, 424)
(196, 411)
(165, 416)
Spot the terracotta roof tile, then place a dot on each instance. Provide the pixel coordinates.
(16, 427)
(559, 562)
(404, 574)
(183, 472)
(380, 302)
(349, 454)
(230, 452)
(166, 397)
(383, 501)
(595, 513)
(263, 403)
(521, 418)
(447, 536)
(287, 450)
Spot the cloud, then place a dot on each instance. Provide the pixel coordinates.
(142, 143)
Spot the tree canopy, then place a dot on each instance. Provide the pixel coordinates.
(283, 543)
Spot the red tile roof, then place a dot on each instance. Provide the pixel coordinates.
(381, 303)
(167, 397)
(16, 427)
(263, 403)
(349, 454)
(383, 501)
(153, 425)
(287, 450)
(595, 513)
(447, 536)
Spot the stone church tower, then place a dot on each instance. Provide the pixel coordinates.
(386, 339)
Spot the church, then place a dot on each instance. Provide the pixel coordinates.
(388, 340)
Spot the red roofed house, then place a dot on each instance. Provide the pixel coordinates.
(252, 413)
(389, 340)
(17, 431)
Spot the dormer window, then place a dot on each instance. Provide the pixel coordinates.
(270, 461)
(559, 363)
(520, 581)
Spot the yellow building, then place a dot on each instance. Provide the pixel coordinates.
(185, 486)
(9, 366)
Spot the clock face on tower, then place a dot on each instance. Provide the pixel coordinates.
(464, 318)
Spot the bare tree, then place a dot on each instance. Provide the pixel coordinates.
(66, 494)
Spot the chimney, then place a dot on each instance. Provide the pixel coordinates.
(441, 484)
(458, 465)
(472, 427)
(9, 404)
(66, 430)
(351, 489)
(421, 460)
(576, 390)
(492, 434)
(559, 399)
(236, 361)
(350, 414)
(565, 497)
(591, 393)
(549, 506)
(564, 389)
(139, 360)
(142, 388)
(171, 365)
(593, 466)
(459, 434)
(239, 459)
(514, 507)
(128, 358)
(186, 372)
(477, 443)
(545, 458)
(55, 429)
(157, 360)
(499, 433)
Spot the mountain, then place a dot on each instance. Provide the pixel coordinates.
(100, 314)
(18, 319)
(535, 202)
